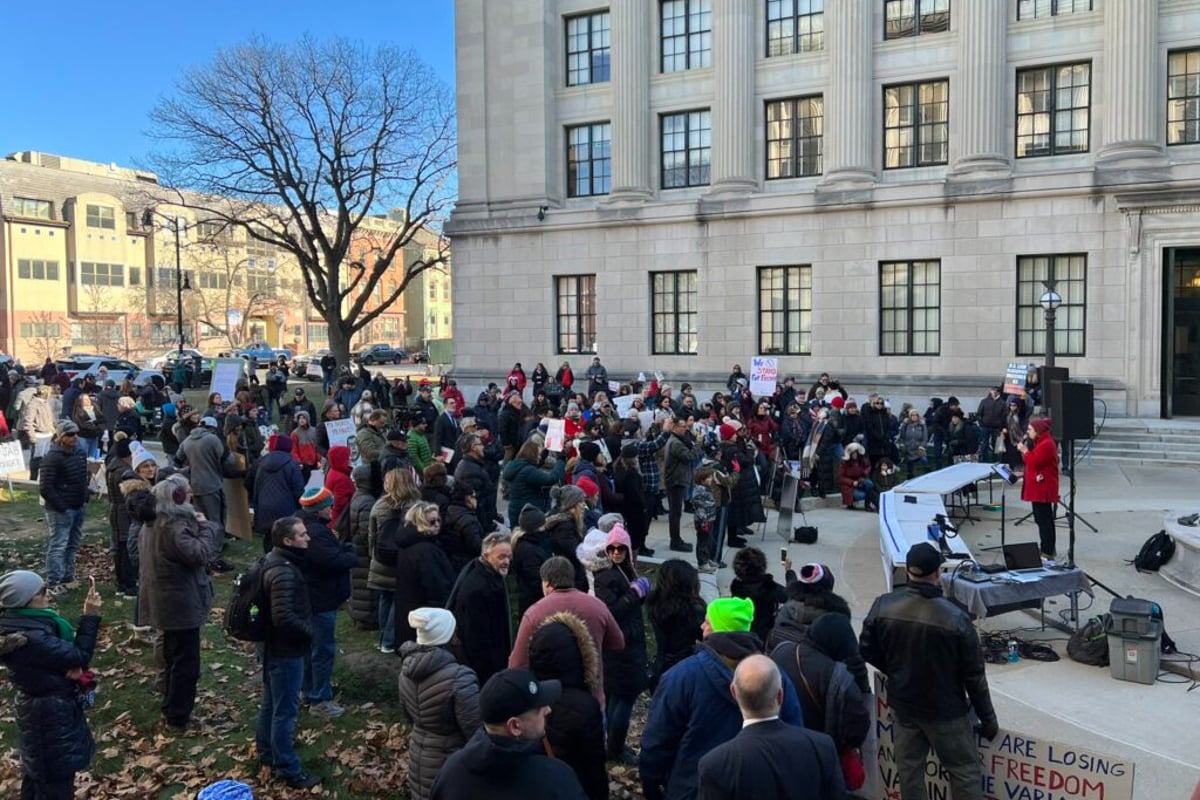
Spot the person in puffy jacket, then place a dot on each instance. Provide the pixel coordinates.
(363, 603)
(565, 529)
(45, 659)
(275, 487)
(338, 480)
(911, 442)
(854, 477)
(528, 483)
(304, 445)
(808, 597)
(561, 649)
(438, 696)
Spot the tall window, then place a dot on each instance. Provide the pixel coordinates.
(135, 276)
(33, 209)
(575, 297)
(93, 274)
(914, 17)
(389, 328)
(686, 149)
(588, 49)
(686, 27)
(795, 26)
(35, 269)
(910, 300)
(164, 278)
(214, 280)
(795, 137)
(1032, 9)
(1053, 110)
(318, 333)
(1069, 273)
(1183, 97)
(916, 130)
(589, 159)
(785, 310)
(673, 309)
(101, 217)
(258, 280)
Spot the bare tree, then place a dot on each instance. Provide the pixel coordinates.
(226, 282)
(298, 144)
(48, 338)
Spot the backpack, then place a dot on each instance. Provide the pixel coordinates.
(1089, 644)
(246, 615)
(1156, 551)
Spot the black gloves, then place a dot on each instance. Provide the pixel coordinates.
(988, 728)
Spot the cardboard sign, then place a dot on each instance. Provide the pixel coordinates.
(614, 387)
(764, 375)
(1015, 378)
(1015, 766)
(225, 375)
(556, 434)
(11, 458)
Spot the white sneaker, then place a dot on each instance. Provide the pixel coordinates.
(386, 650)
(328, 709)
(707, 568)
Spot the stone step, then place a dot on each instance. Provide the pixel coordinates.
(1148, 436)
(1135, 460)
(1142, 447)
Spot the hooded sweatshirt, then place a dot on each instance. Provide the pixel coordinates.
(338, 480)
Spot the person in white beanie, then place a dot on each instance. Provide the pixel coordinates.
(438, 696)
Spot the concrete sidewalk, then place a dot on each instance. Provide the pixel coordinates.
(1155, 726)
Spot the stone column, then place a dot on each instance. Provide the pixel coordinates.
(631, 57)
(1131, 110)
(851, 98)
(977, 98)
(733, 113)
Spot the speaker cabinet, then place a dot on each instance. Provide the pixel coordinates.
(1073, 415)
(1047, 376)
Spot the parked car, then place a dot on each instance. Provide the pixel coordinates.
(189, 364)
(380, 354)
(420, 357)
(159, 361)
(263, 352)
(309, 365)
(78, 365)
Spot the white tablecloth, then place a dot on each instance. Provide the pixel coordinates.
(904, 519)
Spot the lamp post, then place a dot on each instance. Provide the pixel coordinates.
(177, 223)
(1050, 301)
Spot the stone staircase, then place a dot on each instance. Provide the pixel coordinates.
(1144, 442)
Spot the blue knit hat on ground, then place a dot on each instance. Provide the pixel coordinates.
(226, 790)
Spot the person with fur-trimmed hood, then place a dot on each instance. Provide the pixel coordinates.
(854, 478)
(565, 528)
(561, 649)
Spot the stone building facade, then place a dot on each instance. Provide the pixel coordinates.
(873, 188)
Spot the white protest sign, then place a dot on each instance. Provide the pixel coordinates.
(11, 459)
(556, 434)
(623, 404)
(342, 431)
(614, 386)
(764, 373)
(225, 375)
(1015, 766)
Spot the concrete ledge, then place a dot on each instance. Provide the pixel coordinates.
(1183, 569)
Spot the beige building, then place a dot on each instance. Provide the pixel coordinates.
(874, 188)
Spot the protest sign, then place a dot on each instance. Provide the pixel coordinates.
(614, 387)
(556, 434)
(11, 458)
(1015, 379)
(764, 374)
(1015, 766)
(623, 404)
(225, 375)
(341, 431)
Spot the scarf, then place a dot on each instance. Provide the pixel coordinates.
(65, 631)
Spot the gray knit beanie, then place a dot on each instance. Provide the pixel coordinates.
(18, 587)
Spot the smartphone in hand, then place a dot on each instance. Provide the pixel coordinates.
(783, 554)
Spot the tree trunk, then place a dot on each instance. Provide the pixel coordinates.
(339, 343)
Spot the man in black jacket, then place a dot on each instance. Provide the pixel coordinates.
(446, 430)
(769, 758)
(929, 651)
(506, 759)
(479, 602)
(509, 423)
(993, 418)
(286, 599)
(472, 471)
(63, 485)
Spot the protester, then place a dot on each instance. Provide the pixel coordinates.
(363, 606)
(472, 472)
(531, 549)
(399, 493)
(565, 528)
(91, 424)
(63, 487)
(929, 650)
(338, 480)
(808, 597)
(37, 427)
(506, 759)
(47, 662)
(561, 649)
(693, 710)
(1040, 484)
(682, 452)
(394, 454)
(769, 758)
(289, 637)
(754, 582)
(438, 696)
(275, 487)
(479, 602)
(461, 532)
(676, 612)
(424, 576)
(203, 453)
(304, 445)
(528, 480)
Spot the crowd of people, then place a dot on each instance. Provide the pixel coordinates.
(421, 524)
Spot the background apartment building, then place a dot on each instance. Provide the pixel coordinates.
(88, 257)
(874, 188)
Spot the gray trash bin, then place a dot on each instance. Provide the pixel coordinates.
(1134, 639)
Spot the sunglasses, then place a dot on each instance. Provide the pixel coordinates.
(434, 521)
(615, 548)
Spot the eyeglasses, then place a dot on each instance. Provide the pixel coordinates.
(434, 521)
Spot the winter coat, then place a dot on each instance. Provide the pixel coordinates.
(530, 484)
(561, 649)
(794, 616)
(203, 453)
(504, 768)
(746, 508)
(677, 466)
(107, 400)
(381, 577)
(175, 592)
(53, 734)
(290, 632)
(913, 437)
(1041, 462)
(337, 479)
(565, 536)
(829, 698)
(479, 602)
(440, 698)
(693, 711)
(370, 443)
(275, 490)
(304, 446)
(326, 564)
(627, 483)
(762, 432)
(89, 427)
(675, 637)
(424, 577)
(63, 479)
(118, 516)
(474, 474)
(362, 602)
(626, 674)
(767, 596)
(461, 536)
(530, 551)
(850, 471)
(122, 519)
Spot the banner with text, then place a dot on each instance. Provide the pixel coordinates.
(764, 374)
(12, 460)
(1015, 379)
(1015, 766)
(341, 431)
(225, 375)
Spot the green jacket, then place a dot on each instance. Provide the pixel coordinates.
(370, 444)
(677, 466)
(418, 451)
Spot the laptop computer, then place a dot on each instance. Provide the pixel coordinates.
(1023, 557)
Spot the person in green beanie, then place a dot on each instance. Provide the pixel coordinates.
(693, 710)
(47, 661)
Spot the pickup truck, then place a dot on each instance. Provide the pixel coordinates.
(379, 354)
(263, 352)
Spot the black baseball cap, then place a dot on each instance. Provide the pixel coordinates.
(397, 435)
(923, 559)
(511, 692)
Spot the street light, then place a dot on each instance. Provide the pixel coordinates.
(1050, 301)
(181, 281)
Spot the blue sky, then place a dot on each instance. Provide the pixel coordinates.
(82, 75)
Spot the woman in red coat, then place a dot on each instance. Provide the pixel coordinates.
(1041, 480)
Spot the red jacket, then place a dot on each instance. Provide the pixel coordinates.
(1041, 471)
(761, 430)
(337, 479)
(850, 472)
